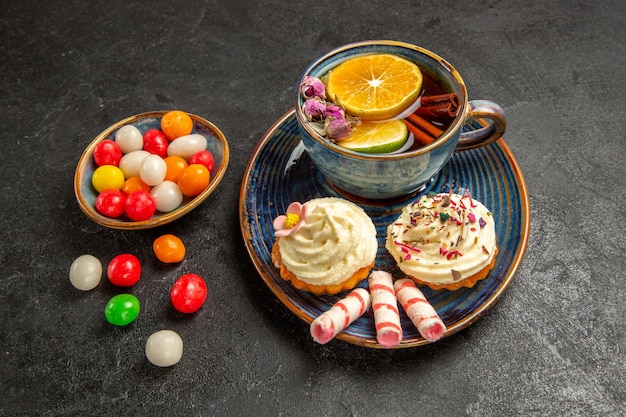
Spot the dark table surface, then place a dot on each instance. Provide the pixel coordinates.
(555, 342)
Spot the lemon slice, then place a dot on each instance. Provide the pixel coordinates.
(375, 87)
(376, 137)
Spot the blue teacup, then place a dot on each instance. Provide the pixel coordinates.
(376, 176)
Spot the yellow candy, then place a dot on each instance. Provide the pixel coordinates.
(107, 177)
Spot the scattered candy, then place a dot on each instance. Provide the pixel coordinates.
(111, 203)
(107, 177)
(140, 206)
(164, 348)
(167, 196)
(129, 139)
(86, 272)
(169, 248)
(124, 270)
(122, 309)
(188, 293)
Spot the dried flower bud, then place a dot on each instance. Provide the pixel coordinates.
(334, 112)
(338, 128)
(313, 87)
(313, 109)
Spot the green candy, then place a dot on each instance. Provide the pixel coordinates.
(122, 309)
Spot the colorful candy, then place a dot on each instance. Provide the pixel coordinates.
(124, 270)
(385, 307)
(175, 124)
(152, 170)
(107, 152)
(107, 177)
(188, 293)
(122, 309)
(164, 348)
(129, 139)
(186, 146)
(140, 206)
(169, 248)
(167, 196)
(326, 326)
(86, 272)
(194, 179)
(135, 162)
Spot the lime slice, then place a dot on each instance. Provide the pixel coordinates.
(376, 137)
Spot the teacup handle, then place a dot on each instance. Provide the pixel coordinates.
(493, 126)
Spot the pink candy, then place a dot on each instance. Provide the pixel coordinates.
(385, 306)
(419, 310)
(325, 327)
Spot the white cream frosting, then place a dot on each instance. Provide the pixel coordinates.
(337, 239)
(442, 238)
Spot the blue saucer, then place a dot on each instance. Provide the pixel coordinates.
(280, 172)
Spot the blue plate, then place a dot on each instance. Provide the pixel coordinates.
(280, 172)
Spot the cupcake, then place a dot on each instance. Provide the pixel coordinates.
(444, 241)
(324, 246)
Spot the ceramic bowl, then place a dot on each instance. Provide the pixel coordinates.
(375, 176)
(86, 194)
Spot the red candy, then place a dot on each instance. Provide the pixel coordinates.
(111, 203)
(188, 293)
(107, 152)
(155, 142)
(140, 206)
(203, 157)
(124, 270)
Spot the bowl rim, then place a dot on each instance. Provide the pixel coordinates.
(87, 154)
(454, 127)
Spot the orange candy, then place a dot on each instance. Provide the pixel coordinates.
(169, 248)
(194, 179)
(175, 124)
(134, 184)
(175, 166)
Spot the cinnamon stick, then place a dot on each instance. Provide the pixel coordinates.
(438, 110)
(440, 99)
(425, 125)
(420, 136)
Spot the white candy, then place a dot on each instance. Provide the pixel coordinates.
(86, 272)
(129, 139)
(152, 170)
(167, 196)
(186, 146)
(130, 163)
(164, 348)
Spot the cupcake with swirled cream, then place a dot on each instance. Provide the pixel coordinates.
(324, 246)
(444, 241)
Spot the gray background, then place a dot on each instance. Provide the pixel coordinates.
(553, 345)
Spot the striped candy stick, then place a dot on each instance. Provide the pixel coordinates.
(325, 327)
(419, 310)
(385, 306)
